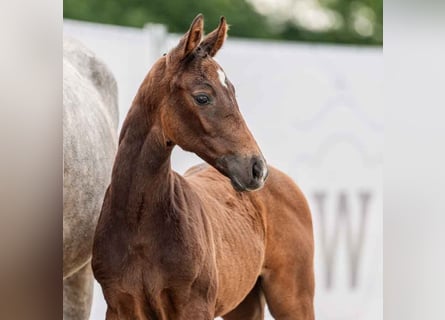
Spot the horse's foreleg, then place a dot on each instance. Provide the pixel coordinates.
(288, 272)
(78, 294)
(251, 308)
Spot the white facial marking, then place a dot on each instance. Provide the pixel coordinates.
(222, 77)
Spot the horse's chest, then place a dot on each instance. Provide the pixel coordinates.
(168, 252)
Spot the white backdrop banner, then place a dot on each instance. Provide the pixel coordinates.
(317, 113)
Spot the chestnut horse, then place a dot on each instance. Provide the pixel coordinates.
(196, 246)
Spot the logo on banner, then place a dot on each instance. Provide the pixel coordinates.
(341, 232)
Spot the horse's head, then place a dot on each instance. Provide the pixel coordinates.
(201, 114)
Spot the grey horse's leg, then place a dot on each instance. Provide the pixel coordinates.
(78, 294)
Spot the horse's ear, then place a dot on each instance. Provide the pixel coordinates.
(215, 40)
(191, 40)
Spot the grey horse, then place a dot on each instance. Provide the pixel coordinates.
(90, 121)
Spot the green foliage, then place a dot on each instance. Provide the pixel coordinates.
(245, 21)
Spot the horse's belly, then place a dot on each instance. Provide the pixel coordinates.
(238, 236)
(238, 272)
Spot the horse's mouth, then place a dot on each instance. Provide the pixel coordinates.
(242, 188)
(245, 173)
(237, 185)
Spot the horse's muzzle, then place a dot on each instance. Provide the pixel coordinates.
(245, 173)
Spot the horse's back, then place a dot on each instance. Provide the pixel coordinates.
(279, 200)
(196, 168)
(279, 196)
(90, 119)
(90, 71)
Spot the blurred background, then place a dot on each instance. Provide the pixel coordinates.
(309, 79)
(335, 21)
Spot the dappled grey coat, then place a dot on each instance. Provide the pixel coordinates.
(90, 120)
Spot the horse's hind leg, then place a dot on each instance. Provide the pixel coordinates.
(288, 272)
(251, 308)
(288, 277)
(289, 296)
(78, 294)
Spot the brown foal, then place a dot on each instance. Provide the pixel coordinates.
(196, 246)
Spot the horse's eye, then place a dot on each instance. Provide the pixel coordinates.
(202, 99)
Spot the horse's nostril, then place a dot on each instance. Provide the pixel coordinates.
(257, 170)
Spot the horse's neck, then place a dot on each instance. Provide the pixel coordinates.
(142, 172)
